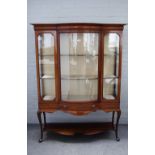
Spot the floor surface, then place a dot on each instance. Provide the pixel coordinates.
(54, 144)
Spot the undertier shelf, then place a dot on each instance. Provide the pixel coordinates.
(79, 128)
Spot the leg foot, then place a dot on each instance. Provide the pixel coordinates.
(117, 139)
(40, 140)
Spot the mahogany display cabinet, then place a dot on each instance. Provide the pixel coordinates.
(78, 72)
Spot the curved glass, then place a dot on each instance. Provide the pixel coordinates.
(111, 66)
(46, 65)
(79, 66)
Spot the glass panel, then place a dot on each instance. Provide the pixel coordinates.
(110, 89)
(46, 44)
(79, 66)
(47, 88)
(46, 65)
(111, 65)
(79, 89)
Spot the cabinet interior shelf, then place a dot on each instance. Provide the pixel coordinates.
(72, 55)
(68, 55)
(77, 77)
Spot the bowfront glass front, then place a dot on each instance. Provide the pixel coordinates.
(79, 66)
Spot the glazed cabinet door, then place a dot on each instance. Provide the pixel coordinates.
(111, 66)
(46, 52)
(79, 66)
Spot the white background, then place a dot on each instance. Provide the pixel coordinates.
(13, 85)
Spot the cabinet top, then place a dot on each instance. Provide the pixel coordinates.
(61, 26)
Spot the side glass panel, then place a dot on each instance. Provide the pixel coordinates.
(46, 66)
(111, 66)
(79, 66)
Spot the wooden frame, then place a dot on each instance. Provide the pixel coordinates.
(87, 106)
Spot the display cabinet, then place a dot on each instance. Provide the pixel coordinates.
(78, 71)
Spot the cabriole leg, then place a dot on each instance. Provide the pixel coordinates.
(44, 114)
(116, 126)
(113, 117)
(41, 126)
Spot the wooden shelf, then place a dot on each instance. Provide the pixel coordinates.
(79, 128)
